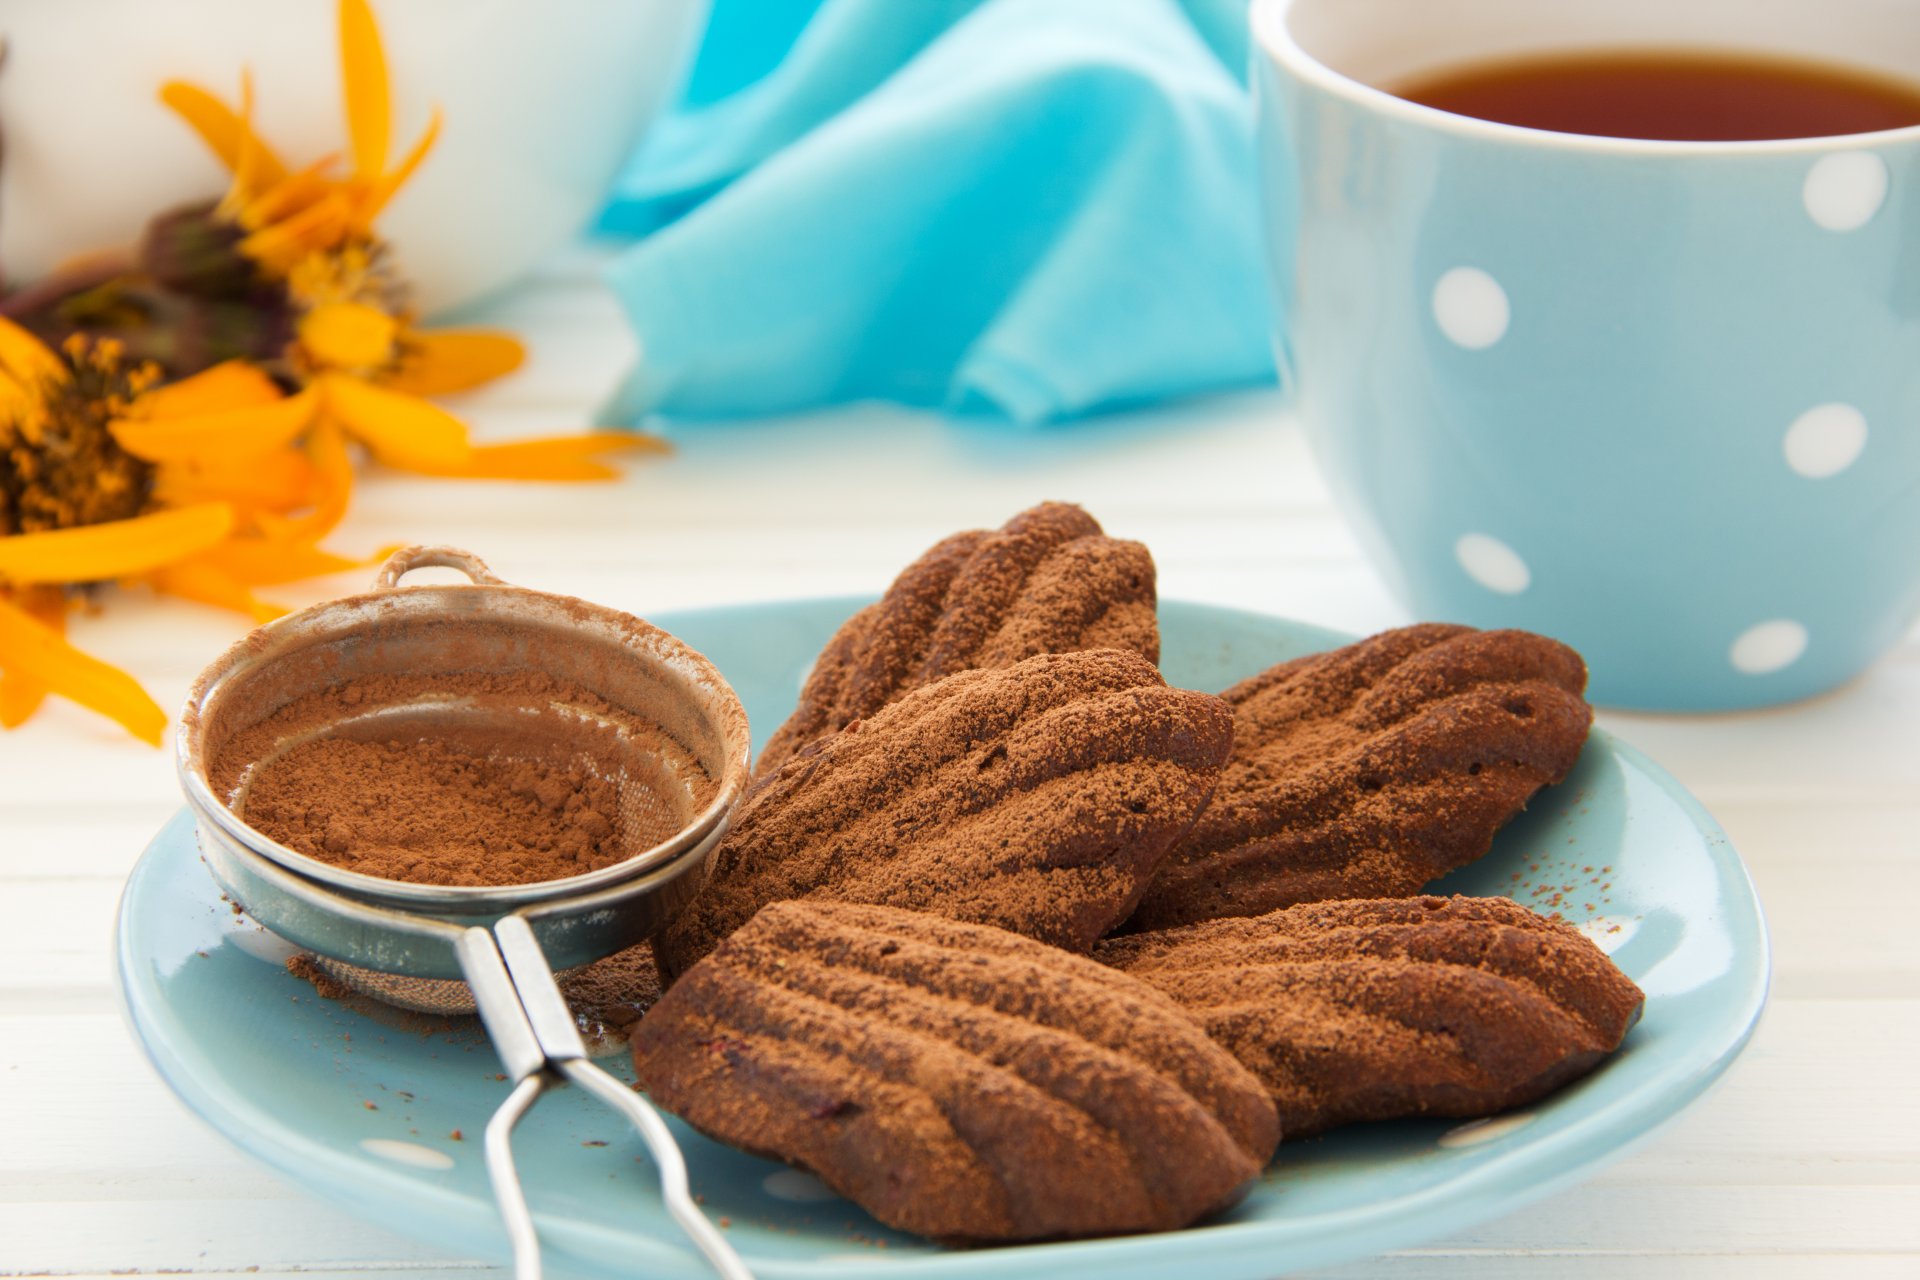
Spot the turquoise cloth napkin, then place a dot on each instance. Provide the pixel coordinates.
(1030, 208)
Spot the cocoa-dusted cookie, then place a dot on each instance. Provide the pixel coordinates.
(1371, 770)
(955, 1080)
(1047, 581)
(1385, 1007)
(1039, 797)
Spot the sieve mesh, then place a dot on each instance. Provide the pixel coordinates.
(443, 997)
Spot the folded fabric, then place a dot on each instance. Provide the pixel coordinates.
(1036, 208)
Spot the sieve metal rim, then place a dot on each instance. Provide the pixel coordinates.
(337, 618)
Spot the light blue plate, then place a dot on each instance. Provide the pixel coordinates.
(1619, 849)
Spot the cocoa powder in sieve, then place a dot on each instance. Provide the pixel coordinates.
(375, 776)
(430, 813)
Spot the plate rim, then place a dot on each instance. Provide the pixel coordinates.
(1500, 1185)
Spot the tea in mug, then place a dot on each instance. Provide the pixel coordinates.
(1675, 95)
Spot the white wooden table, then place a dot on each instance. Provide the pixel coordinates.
(1805, 1162)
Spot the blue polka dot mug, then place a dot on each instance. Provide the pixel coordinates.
(1658, 399)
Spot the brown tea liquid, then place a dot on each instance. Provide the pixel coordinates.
(1678, 95)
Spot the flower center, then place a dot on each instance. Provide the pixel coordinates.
(59, 464)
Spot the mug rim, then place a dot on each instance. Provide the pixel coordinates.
(1274, 38)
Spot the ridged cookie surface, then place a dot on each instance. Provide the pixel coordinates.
(1373, 1009)
(1047, 581)
(1039, 797)
(955, 1080)
(1371, 770)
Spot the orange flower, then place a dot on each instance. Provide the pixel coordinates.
(362, 366)
(169, 493)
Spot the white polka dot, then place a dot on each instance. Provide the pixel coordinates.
(407, 1153)
(1825, 440)
(1768, 647)
(1474, 1132)
(798, 1187)
(1470, 307)
(1844, 190)
(1493, 564)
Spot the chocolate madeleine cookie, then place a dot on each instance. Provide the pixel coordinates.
(1371, 770)
(1385, 1007)
(1047, 581)
(955, 1080)
(1039, 797)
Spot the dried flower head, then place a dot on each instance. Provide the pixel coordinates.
(360, 363)
(191, 488)
(60, 465)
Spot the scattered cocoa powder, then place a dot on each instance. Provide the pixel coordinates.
(325, 985)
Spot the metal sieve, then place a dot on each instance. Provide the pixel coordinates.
(619, 689)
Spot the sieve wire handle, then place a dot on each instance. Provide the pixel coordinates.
(535, 1035)
(560, 1043)
(517, 1044)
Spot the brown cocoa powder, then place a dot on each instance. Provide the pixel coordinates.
(431, 813)
(470, 779)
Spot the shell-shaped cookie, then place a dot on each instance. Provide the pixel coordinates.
(1371, 770)
(955, 1080)
(1039, 797)
(1372, 1009)
(1047, 581)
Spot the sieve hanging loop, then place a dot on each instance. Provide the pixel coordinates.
(407, 559)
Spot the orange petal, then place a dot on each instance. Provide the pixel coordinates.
(228, 433)
(262, 562)
(20, 693)
(333, 487)
(20, 696)
(559, 458)
(321, 225)
(388, 185)
(25, 409)
(234, 384)
(434, 364)
(27, 358)
(273, 482)
(36, 651)
(205, 584)
(115, 549)
(402, 431)
(363, 73)
(224, 130)
(288, 197)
